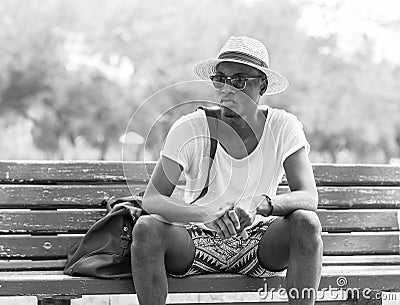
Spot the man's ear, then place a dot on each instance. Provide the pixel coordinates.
(264, 86)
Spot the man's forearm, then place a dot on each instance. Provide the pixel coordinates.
(284, 204)
(173, 209)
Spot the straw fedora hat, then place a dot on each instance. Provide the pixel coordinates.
(248, 51)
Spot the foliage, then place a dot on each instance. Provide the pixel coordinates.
(78, 71)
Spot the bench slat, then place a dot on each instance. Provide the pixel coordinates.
(371, 260)
(32, 265)
(60, 196)
(359, 220)
(361, 243)
(282, 302)
(356, 174)
(58, 264)
(79, 221)
(341, 302)
(74, 171)
(359, 197)
(61, 221)
(21, 246)
(91, 196)
(112, 171)
(53, 282)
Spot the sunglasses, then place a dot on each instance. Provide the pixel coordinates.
(238, 81)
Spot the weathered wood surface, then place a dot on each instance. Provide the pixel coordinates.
(362, 199)
(342, 260)
(80, 220)
(359, 220)
(318, 302)
(91, 196)
(53, 282)
(50, 301)
(361, 243)
(59, 196)
(359, 197)
(114, 171)
(55, 247)
(61, 221)
(74, 171)
(32, 265)
(369, 260)
(341, 302)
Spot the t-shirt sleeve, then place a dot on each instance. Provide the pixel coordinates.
(293, 137)
(179, 142)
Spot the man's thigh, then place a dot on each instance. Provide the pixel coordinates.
(180, 250)
(273, 249)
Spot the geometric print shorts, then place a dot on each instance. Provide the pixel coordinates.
(232, 255)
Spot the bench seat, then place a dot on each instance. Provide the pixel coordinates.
(45, 206)
(56, 283)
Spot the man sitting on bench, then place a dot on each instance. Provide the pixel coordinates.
(240, 225)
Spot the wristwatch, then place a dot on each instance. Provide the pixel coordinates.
(270, 204)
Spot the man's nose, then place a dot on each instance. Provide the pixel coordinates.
(228, 88)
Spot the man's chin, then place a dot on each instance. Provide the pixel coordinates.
(228, 112)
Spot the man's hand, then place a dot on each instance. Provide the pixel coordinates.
(231, 220)
(226, 225)
(246, 217)
(246, 211)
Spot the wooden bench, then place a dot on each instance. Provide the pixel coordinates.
(47, 206)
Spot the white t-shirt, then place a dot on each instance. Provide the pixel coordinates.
(232, 179)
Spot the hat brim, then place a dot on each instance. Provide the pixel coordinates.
(276, 82)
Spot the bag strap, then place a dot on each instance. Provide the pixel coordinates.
(212, 115)
(265, 111)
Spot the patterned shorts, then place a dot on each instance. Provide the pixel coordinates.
(232, 255)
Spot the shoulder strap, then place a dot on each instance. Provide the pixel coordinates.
(265, 111)
(212, 115)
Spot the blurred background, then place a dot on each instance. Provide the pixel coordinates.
(73, 72)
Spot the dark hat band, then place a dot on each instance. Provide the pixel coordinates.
(243, 57)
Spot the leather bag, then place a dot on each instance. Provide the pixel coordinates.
(104, 251)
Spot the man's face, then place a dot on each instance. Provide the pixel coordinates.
(234, 101)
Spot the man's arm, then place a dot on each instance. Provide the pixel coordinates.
(303, 192)
(157, 199)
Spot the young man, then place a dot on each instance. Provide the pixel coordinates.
(255, 147)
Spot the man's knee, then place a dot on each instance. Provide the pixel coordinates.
(305, 229)
(148, 235)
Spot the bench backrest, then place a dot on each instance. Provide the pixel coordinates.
(46, 206)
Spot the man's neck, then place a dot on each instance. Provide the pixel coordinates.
(249, 125)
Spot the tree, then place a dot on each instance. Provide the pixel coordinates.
(75, 81)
